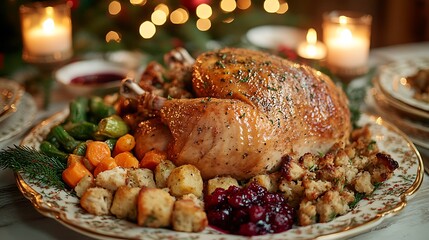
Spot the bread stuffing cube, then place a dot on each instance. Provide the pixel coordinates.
(188, 217)
(112, 179)
(184, 180)
(154, 207)
(124, 203)
(140, 177)
(162, 171)
(97, 201)
(84, 184)
(267, 181)
(362, 183)
(220, 182)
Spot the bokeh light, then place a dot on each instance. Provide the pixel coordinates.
(271, 6)
(113, 36)
(179, 16)
(284, 6)
(147, 30)
(158, 17)
(163, 7)
(228, 5)
(204, 11)
(138, 2)
(204, 24)
(114, 7)
(244, 4)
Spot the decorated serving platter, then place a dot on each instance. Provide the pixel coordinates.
(389, 199)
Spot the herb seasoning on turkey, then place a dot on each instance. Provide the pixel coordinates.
(261, 108)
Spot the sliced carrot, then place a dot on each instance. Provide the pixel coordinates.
(126, 160)
(97, 151)
(74, 173)
(152, 158)
(74, 158)
(125, 143)
(105, 164)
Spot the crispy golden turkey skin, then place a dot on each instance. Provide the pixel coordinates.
(250, 109)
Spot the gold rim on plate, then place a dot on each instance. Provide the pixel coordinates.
(412, 112)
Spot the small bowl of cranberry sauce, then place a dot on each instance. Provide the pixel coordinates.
(91, 77)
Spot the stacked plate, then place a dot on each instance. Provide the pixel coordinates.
(394, 99)
(17, 109)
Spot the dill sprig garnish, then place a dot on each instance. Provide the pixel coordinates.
(35, 164)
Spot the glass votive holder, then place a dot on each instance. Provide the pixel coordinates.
(347, 38)
(46, 32)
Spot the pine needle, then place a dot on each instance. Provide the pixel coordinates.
(35, 164)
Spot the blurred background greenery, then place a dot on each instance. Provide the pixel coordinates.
(394, 22)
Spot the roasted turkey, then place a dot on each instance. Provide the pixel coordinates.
(248, 109)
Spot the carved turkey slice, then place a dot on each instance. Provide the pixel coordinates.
(250, 108)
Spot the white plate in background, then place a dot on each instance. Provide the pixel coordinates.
(391, 79)
(10, 97)
(275, 36)
(20, 120)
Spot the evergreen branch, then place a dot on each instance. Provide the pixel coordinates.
(35, 164)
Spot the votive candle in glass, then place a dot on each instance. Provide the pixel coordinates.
(46, 31)
(347, 38)
(311, 48)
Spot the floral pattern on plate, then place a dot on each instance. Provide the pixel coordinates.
(391, 79)
(388, 199)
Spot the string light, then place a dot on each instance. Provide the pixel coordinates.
(228, 5)
(271, 6)
(284, 6)
(114, 7)
(113, 36)
(158, 17)
(179, 16)
(138, 2)
(244, 4)
(204, 24)
(203, 11)
(162, 7)
(147, 30)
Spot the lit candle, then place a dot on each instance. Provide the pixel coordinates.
(46, 31)
(312, 49)
(347, 41)
(48, 38)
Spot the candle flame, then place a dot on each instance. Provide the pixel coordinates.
(311, 36)
(346, 35)
(48, 25)
(343, 20)
(49, 11)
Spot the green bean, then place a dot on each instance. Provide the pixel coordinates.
(111, 142)
(80, 149)
(78, 110)
(99, 110)
(81, 131)
(111, 127)
(64, 138)
(50, 150)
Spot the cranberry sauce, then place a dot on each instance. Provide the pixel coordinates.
(249, 211)
(98, 78)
